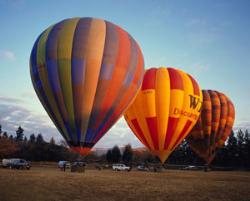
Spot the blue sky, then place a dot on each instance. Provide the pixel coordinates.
(208, 39)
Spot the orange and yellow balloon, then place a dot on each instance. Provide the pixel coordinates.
(165, 109)
(214, 125)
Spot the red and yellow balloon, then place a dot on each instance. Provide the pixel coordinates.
(165, 109)
(214, 125)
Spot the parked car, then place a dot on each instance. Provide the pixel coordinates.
(142, 168)
(120, 167)
(16, 163)
(190, 167)
(62, 163)
(78, 166)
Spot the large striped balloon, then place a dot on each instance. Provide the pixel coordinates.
(165, 110)
(85, 72)
(214, 125)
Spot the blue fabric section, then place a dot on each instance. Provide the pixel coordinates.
(51, 65)
(88, 136)
(38, 84)
(78, 71)
(78, 68)
(133, 63)
(78, 76)
(107, 71)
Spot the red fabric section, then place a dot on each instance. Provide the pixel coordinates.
(172, 123)
(176, 81)
(139, 132)
(184, 130)
(149, 79)
(195, 86)
(152, 126)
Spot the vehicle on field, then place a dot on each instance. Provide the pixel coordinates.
(78, 166)
(16, 163)
(142, 168)
(120, 167)
(61, 164)
(191, 167)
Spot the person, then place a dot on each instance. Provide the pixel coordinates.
(64, 167)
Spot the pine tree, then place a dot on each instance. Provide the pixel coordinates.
(19, 134)
(109, 157)
(32, 138)
(116, 154)
(127, 154)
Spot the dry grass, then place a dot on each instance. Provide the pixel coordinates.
(50, 184)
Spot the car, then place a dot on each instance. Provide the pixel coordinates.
(62, 163)
(190, 167)
(120, 167)
(78, 166)
(16, 163)
(142, 168)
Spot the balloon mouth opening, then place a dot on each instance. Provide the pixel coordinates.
(83, 151)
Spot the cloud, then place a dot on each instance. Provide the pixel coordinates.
(243, 125)
(120, 135)
(7, 55)
(16, 112)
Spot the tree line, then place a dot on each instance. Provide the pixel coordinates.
(236, 152)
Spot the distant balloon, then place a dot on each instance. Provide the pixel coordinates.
(165, 110)
(214, 125)
(85, 71)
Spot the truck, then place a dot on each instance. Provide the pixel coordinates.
(120, 167)
(16, 163)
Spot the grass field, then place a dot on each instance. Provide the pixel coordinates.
(50, 184)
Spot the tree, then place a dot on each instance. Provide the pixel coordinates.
(116, 154)
(39, 139)
(32, 139)
(109, 156)
(11, 138)
(19, 134)
(7, 147)
(127, 154)
(5, 135)
(52, 141)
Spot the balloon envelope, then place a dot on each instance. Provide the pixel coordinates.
(165, 110)
(85, 72)
(214, 125)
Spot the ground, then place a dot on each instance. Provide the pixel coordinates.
(51, 184)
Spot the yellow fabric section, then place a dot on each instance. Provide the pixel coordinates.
(65, 42)
(129, 116)
(43, 74)
(162, 154)
(162, 98)
(138, 106)
(188, 90)
(93, 59)
(176, 101)
(148, 97)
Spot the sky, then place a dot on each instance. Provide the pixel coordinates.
(207, 39)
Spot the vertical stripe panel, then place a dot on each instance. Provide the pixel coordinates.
(64, 51)
(93, 57)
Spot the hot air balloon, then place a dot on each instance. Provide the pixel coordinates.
(85, 71)
(214, 125)
(165, 110)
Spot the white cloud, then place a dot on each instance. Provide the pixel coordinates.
(16, 112)
(7, 55)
